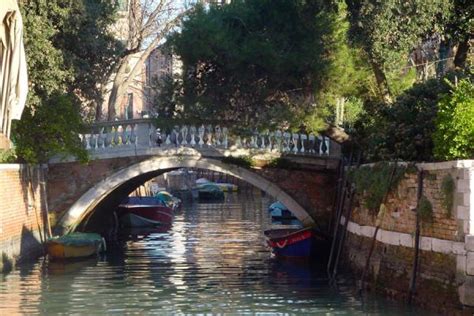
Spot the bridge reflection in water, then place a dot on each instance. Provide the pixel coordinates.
(212, 259)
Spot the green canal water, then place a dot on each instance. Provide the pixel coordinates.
(212, 260)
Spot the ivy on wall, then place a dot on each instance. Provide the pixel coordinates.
(374, 182)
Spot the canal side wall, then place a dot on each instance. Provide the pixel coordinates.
(22, 213)
(445, 277)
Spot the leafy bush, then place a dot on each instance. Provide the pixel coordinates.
(404, 129)
(52, 129)
(425, 210)
(7, 156)
(454, 135)
(372, 183)
(243, 161)
(447, 193)
(281, 163)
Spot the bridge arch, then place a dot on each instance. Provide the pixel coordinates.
(90, 199)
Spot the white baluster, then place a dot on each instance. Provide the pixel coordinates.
(312, 143)
(286, 142)
(295, 143)
(176, 135)
(225, 132)
(201, 131)
(87, 138)
(270, 141)
(279, 141)
(303, 138)
(128, 135)
(184, 135)
(238, 142)
(103, 137)
(320, 149)
(209, 135)
(133, 136)
(262, 139)
(217, 130)
(168, 139)
(192, 131)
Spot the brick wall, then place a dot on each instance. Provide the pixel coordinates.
(444, 270)
(21, 213)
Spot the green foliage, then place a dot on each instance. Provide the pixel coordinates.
(244, 161)
(167, 97)
(255, 62)
(281, 163)
(389, 30)
(447, 193)
(404, 130)
(70, 51)
(425, 210)
(454, 135)
(8, 156)
(50, 130)
(372, 183)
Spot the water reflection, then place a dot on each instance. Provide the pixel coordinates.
(213, 259)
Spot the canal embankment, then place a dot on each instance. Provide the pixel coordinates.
(23, 213)
(438, 271)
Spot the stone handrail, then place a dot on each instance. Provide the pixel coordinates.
(144, 133)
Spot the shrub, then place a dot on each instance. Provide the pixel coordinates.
(243, 161)
(281, 163)
(447, 193)
(425, 210)
(454, 135)
(372, 183)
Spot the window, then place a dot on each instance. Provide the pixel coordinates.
(129, 108)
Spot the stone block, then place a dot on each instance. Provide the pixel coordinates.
(441, 245)
(407, 240)
(462, 212)
(462, 185)
(461, 264)
(368, 231)
(458, 248)
(353, 228)
(466, 198)
(466, 291)
(426, 243)
(388, 237)
(470, 263)
(469, 242)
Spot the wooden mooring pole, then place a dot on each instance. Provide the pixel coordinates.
(412, 288)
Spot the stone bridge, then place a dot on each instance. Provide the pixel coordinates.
(126, 154)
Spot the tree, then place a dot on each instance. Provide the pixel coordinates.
(388, 30)
(454, 135)
(149, 23)
(259, 62)
(66, 43)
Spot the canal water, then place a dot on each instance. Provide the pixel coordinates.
(212, 260)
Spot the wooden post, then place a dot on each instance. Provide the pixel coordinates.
(412, 287)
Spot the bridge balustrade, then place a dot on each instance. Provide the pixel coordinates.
(145, 133)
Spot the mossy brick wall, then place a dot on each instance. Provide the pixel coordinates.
(446, 269)
(21, 213)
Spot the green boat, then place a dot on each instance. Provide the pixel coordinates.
(210, 192)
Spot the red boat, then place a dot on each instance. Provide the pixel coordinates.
(144, 212)
(291, 242)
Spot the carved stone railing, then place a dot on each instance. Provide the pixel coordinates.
(143, 133)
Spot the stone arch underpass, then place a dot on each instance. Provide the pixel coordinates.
(139, 172)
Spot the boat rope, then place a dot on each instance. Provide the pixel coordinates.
(283, 245)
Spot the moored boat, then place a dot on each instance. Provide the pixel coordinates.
(279, 212)
(290, 241)
(227, 187)
(210, 192)
(144, 212)
(168, 199)
(75, 245)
